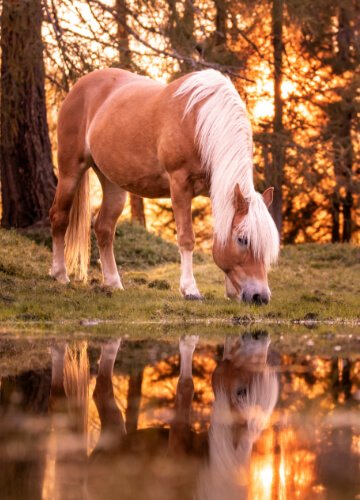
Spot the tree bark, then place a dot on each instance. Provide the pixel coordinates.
(137, 209)
(220, 22)
(335, 216)
(347, 113)
(341, 115)
(274, 174)
(136, 202)
(180, 30)
(122, 35)
(27, 176)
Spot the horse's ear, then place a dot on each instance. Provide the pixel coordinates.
(268, 196)
(241, 205)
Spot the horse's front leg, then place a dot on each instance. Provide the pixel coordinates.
(180, 431)
(181, 197)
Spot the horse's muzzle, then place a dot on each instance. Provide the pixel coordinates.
(253, 292)
(256, 298)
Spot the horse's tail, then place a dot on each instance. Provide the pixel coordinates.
(76, 386)
(77, 237)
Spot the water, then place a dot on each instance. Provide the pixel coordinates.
(111, 418)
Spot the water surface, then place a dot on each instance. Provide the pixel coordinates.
(233, 417)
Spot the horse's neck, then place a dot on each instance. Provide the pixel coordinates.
(224, 137)
(223, 181)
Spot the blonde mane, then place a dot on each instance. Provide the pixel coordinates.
(224, 138)
(226, 474)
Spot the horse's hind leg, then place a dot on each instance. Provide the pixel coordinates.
(112, 205)
(59, 214)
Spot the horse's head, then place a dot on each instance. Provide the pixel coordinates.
(246, 383)
(250, 248)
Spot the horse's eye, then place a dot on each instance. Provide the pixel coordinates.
(241, 392)
(242, 240)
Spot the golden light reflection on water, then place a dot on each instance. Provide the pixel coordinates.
(282, 464)
(284, 469)
(284, 458)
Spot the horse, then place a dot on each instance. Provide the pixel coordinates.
(183, 139)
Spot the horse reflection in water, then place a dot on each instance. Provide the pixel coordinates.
(246, 391)
(208, 465)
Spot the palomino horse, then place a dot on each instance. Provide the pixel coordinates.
(213, 464)
(188, 138)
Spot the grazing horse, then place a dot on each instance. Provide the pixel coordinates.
(188, 138)
(212, 465)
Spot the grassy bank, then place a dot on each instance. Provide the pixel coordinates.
(310, 283)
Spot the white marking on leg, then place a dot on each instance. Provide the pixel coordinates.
(108, 357)
(58, 268)
(111, 277)
(188, 285)
(187, 347)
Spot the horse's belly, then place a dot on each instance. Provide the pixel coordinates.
(151, 186)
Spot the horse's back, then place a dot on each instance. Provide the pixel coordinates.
(91, 91)
(131, 127)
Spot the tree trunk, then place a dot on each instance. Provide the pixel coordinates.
(122, 35)
(335, 216)
(347, 217)
(137, 209)
(347, 113)
(133, 402)
(180, 30)
(136, 202)
(27, 177)
(341, 114)
(220, 22)
(274, 175)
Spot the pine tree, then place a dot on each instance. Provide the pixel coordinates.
(27, 177)
(136, 202)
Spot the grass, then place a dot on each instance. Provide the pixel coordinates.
(311, 283)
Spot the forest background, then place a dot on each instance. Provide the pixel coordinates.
(294, 62)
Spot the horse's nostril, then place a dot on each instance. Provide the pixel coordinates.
(259, 299)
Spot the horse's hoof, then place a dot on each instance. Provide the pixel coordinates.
(61, 278)
(117, 285)
(192, 296)
(189, 341)
(111, 347)
(114, 288)
(187, 345)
